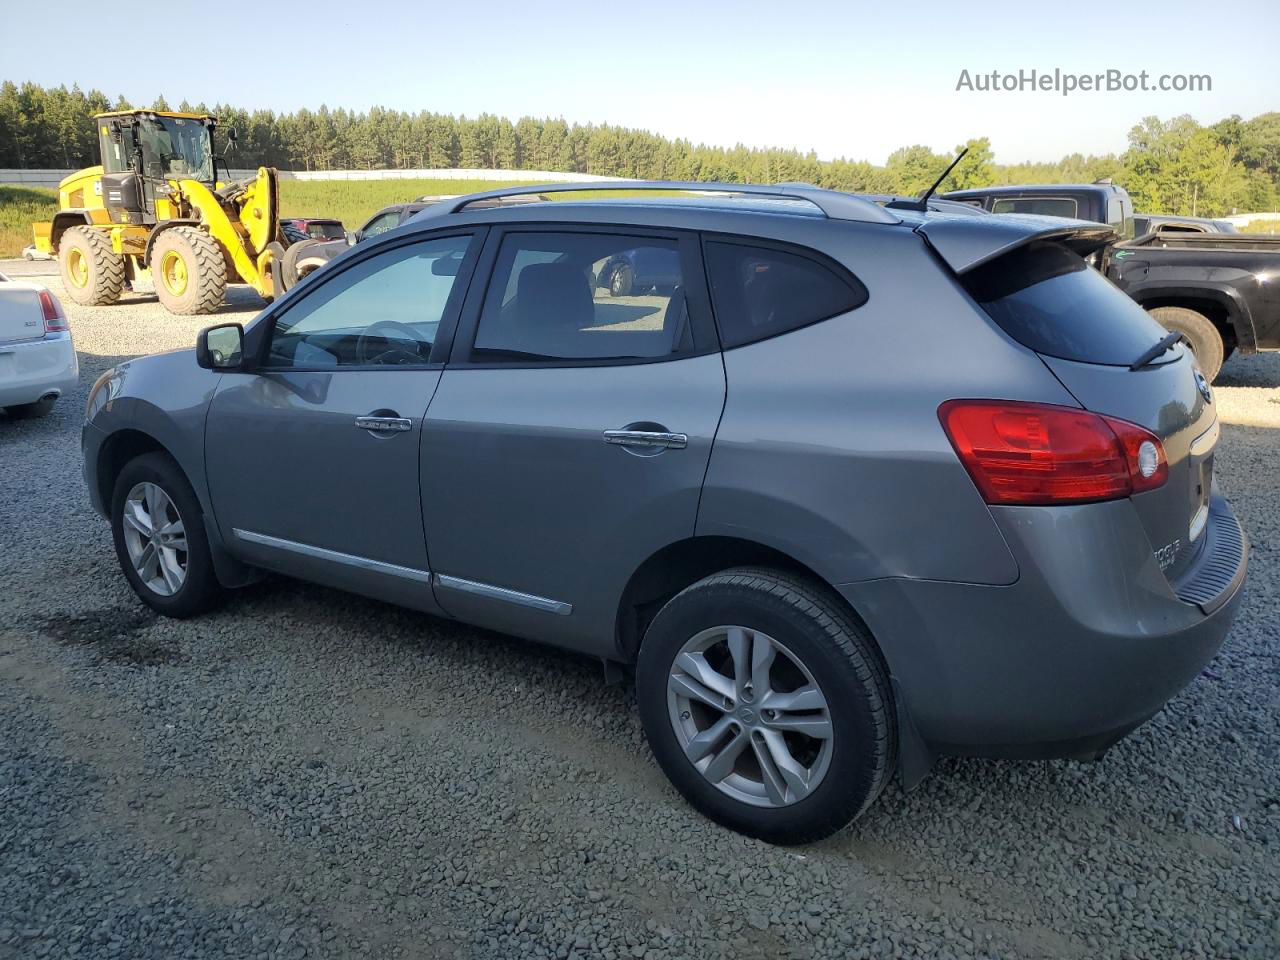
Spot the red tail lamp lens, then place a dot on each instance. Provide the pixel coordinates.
(1033, 453)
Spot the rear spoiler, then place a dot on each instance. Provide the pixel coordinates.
(968, 242)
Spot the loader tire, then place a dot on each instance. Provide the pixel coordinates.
(92, 273)
(1206, 342)
(189, 270)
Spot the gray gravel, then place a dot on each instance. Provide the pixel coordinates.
(308, 774)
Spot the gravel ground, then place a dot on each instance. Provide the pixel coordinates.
(309, 774)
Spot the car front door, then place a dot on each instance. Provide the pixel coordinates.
(569, 436)
(312, 456)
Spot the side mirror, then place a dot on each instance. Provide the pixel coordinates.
(232, 135)
(353, 237)
(220, 347)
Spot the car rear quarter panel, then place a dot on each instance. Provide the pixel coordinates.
(830, 448)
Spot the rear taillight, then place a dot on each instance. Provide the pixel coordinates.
(55, 321)
(1037, 453)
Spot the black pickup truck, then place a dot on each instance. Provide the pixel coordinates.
(1220, 290)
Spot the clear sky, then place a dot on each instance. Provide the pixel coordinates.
(843, 78)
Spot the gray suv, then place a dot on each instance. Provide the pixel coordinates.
(857, 488)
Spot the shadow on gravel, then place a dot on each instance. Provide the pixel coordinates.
(121, 636)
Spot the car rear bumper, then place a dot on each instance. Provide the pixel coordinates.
(1088, 643)
(31, 369)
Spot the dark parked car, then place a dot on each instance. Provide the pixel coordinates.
(1214, 288)
(315, 228)
(828, 557)
(640, 270)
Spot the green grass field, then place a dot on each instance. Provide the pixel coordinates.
(351, 201)
(19, 208)
(354, 201)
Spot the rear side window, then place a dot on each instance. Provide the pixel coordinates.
(1045, 206)
(761, 292)
(1048, 299)
(557, 297)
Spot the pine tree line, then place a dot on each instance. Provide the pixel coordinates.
(1175, 166)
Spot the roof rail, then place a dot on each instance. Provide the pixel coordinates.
(833, 204)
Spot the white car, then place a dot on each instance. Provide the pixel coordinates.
(30, 252)
(37, 356)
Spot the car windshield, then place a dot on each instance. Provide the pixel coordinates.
(182, 146)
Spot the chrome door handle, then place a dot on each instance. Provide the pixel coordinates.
(647, 438)
(385, 424)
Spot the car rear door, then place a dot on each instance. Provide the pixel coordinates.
(570, 434)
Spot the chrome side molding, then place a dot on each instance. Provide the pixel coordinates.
(545, 604)
(333, 556)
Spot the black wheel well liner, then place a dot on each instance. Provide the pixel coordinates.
(63, 221)
(116, 451)
(685, 562)
(1219, 309)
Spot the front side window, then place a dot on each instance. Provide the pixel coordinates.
(761, 292)
(380, 224)
(383, 311)
(1045, 206)
(583, 296)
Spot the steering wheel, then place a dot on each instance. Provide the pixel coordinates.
(392, 352)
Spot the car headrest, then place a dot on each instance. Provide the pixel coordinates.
(553, 295)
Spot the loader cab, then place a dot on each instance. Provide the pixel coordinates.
(141, 151)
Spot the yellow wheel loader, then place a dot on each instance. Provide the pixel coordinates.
(154, 214)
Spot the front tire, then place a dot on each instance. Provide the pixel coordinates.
(160, 540)
(1206, 341)
(767, 705)
(92, 273)
(189, 270)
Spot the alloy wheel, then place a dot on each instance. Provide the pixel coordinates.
(750, 716)
(155, 538)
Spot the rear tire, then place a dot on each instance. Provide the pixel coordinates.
(92, 273)
(182, 582)
(29, 411)
(189, 270)
(816, 642)
(1206, 341)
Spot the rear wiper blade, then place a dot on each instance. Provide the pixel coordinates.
(1165, 343)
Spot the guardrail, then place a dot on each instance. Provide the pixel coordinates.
(49, 179)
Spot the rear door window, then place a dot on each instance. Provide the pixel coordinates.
(1045, 206)
(566, 297)
(760, 292)
(1047, 298)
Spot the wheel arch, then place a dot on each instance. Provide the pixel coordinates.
(63, 221)
(682, 563)
(1221, 306)
(678, 565)
(127, 444)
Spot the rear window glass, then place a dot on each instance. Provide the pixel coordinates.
(1045, 206)
(760, 292)
(1048, 299)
